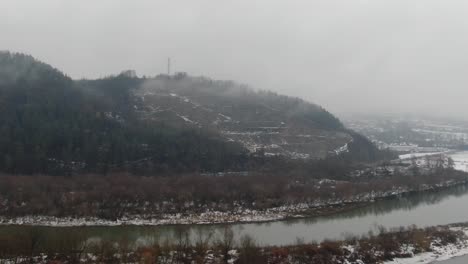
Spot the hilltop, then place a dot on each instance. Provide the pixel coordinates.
(52, 124)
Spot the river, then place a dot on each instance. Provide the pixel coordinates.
(423, 209)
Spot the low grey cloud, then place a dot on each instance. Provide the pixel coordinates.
(348, 56)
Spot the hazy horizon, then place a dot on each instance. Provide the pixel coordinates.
(348, 56)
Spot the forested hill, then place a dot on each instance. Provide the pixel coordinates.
(52, 124)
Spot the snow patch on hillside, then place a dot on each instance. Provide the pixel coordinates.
(186, 119)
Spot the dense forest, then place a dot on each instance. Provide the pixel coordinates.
(51, 125)
(54, 125)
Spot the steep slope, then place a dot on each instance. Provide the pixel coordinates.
(262, 121)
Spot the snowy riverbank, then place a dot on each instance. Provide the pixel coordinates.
(239, 215)
(437, 253)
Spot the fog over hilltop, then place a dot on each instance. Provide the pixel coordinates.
(348, 56)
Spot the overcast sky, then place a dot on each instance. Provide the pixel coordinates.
(348, 55)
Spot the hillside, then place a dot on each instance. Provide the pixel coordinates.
(261, 121)
(52, 124)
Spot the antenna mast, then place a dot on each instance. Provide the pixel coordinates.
(169, 66)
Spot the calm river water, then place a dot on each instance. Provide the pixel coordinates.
(426, 209)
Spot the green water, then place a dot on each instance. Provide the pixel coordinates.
(424, 209)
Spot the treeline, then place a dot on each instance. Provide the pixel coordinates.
(118, 195)
(36, 245)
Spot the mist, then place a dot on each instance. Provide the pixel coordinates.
(347, 56)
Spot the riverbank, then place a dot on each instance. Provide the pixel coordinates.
(397, 246)
(437, 252)
(239, 215)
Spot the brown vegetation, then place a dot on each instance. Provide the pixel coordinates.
(32, 245)
(119, 195)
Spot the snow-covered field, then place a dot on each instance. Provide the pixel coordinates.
(461, 160)
(419, 155)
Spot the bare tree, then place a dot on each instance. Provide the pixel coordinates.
(226, 242)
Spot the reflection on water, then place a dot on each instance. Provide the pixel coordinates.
(423, 209)
(387, 206)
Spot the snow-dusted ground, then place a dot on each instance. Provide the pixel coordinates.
(460, 160)
(419, 155)
(205, 218)
(342, 149)
(439, 253)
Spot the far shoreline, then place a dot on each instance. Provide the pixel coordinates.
(284, 213)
